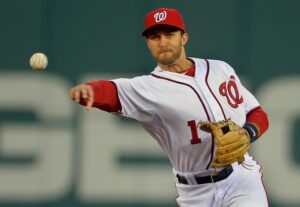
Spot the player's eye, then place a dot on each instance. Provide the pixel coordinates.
(153, 36)
(170, 34)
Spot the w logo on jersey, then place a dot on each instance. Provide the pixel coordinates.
(160, 16)
(230, 91)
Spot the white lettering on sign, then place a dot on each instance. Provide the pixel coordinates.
(273, 150)
(49, 175)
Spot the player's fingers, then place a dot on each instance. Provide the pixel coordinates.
(75, 94)
(84, 93)
(242, 131)
(89, 104)
(89, 93)
(90, 98)
(71, 93)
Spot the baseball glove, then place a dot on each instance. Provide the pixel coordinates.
(232, 142)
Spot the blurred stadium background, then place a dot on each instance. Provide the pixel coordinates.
(53, 153)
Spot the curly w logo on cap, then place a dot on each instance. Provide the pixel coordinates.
(160, 16)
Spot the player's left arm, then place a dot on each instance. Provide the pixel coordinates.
(257, 123)
(256, 118)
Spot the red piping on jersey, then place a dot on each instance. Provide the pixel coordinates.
(261, 178)
(207, 115)
(224, 116)
(206, 81)
(156, 76)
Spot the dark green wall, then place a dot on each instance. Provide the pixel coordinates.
(259, 38)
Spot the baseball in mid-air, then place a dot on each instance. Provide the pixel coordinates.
(38, 61)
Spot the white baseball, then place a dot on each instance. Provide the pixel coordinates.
(38, 61)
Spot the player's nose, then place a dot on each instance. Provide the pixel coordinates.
(163, 41)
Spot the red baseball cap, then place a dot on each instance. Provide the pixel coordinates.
(163, 16)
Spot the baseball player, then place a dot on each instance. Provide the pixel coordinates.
(182, 104)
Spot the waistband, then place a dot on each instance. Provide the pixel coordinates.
(192, 180)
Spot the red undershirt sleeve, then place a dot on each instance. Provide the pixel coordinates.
(105, 96)
(258, 117)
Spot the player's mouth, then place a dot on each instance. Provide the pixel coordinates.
(165, 51)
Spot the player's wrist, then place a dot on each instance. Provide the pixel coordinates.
(252, 131)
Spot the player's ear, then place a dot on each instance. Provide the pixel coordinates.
(185, 38)
(147, 43)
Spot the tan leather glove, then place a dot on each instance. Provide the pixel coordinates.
(231, 142)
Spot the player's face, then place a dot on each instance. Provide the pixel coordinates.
(166, 45)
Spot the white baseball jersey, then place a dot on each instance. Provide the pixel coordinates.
(169, 106)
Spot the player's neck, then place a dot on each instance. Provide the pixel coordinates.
(179, 66)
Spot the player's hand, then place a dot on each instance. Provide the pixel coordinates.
(83, 92)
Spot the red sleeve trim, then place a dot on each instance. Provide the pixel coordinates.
(105, 95)
(258, 117)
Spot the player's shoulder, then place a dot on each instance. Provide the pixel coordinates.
(220, 65)
(218, 62)
(137, 80)
(212, 62)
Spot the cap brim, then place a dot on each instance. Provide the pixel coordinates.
(159, 26)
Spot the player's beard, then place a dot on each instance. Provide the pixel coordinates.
(169, 56)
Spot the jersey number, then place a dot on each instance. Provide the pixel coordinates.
(193, 126)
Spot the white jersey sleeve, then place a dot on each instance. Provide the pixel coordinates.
(135, 99)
